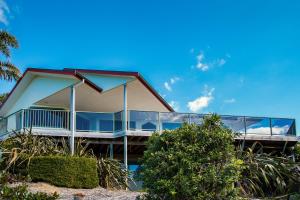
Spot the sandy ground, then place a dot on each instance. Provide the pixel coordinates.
(89, 194)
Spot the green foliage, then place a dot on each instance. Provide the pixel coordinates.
(294, 197)
(297, 152)
(65, 171)
(18, 150)
(22, 147)
(112, 174)
(192, 162)
(3, 97)
(266, 175)
(6, 177)
(7, 70)
(21, 192)
(81, 148)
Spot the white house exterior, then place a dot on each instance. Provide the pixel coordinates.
(115, 109)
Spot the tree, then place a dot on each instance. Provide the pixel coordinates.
(3, 96)
(191, 162)
(8, 71)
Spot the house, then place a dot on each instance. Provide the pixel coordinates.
(96, 104)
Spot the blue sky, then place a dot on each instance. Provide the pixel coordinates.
(228, 57)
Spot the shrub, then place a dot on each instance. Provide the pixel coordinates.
(65, 171)
(19, 149)
(191, 162)
(112, 174)
(21, 192)
(267, 175)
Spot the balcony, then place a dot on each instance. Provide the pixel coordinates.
(141, 123)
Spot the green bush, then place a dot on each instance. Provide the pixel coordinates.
(65, 171)
(191, 162)
(21, 192)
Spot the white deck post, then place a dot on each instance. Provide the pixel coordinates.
(125, 123)
(72, 118)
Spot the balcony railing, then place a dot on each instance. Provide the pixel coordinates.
(138, 121)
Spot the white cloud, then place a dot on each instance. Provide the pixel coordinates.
(206, 65)
(172, 81)
(4, 10)
(203, 101)
(232, 100)
(200, 64)
(175, 105)
(167, 86)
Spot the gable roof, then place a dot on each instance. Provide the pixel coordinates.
(78, 74)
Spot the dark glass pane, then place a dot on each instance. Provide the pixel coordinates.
(118, 121)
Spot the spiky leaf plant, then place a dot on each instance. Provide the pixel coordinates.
(266, 175)
(19, 149)
(112, 174)
(22, 147)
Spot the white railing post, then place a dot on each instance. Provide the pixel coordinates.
(72, 117)
(22, 120)
(158, 123)
(125, 123)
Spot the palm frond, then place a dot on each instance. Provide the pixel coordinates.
(8, 71)
(6, 41)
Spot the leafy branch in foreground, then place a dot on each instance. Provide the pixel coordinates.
(21, 192)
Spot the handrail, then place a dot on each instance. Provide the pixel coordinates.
(60, 119)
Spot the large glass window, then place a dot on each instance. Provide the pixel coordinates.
(94, 122)
(196, 119)
(146, 121)
(235, 123)
(283, 126)
(171, 121)
(258, 125)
